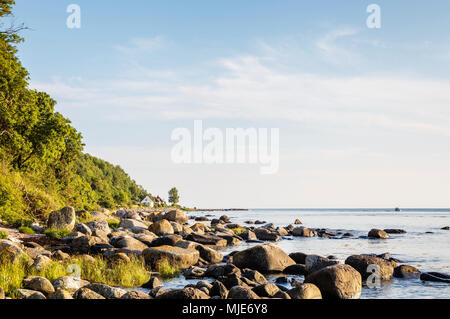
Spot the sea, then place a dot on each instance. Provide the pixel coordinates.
(425, 245)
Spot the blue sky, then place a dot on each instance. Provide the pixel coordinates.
(363, 113)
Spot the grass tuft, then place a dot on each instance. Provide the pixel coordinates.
(167, 270)
(26, 230)
(113, 224)
(3, 234)
(239, 230)
(56, 233)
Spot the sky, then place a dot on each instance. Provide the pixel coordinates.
(363, 114)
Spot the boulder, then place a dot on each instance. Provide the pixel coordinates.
(315, 262)
(207, 240)
(264, 258)
(337, 282)
(305, 291)
(303, 232)
(218, 289)
(183, 258)
(161, 228)
(445, 228)
(69, 283)
(11, 249)
(85, 293)
(136, 295)
(362, 262)
(176, 216)
(40, 262)
(435, 277)
(210, 255)
(216, 271)
(299, 258)
(406, 271)
(395, 231)
(83, 228)
(377, 234)
(29, 294)
(238, 292)
(62, 219)
(266, 290)
(41, 284)
(254, 276)
(297, 269)
(297, 222)
(133, 225)
(107, 291)
(248, 235)
(61, 294)
(99, 225)
(266, 234)
(153, 283)
(183, 294)
(129, 243)
(170, 240)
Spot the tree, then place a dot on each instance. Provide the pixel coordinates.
(173, 196)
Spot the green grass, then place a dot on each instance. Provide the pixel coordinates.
(123, 274)
(168, 270)
(113, 224)
(26, 230)
(239, 230)
(56, 233)
(84, 217)
(3, 234)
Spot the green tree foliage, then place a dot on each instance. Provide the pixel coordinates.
(42, 164)
(173, 196)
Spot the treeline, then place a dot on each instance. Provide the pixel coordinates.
(41, 154)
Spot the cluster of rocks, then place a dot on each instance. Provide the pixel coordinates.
(197, 249)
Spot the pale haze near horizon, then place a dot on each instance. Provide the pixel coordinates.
(363, 114)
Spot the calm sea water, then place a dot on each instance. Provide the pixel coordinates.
(424, 246)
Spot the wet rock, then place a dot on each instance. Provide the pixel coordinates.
(281, 295)
(305, 291)
(62, 219)
(445, 228)
(377, 234)
(406, 271)
(201, 219)
(161, 228)
(254, 276)
(153, 283)
(225, 219)
(337, 282)
(39, 284)
(297, 222)
(264, 258)
(239, 292)
(248, 235)
(435, 277)
(210, 255)
(315, 262)
(299, 258)
(194, 272)
(362, 262)
(395, 231)
(266, 234)
(297, 269)
(183, 258)
(216, 271)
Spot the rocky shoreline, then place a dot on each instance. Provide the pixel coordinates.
(164, 242)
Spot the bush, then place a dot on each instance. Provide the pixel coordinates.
(84, 217)
(239, 230)
(113, 224)
(56, 233)
(3, 235)
(26, 230)
(167, 270)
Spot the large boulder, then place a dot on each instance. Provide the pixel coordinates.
(406, 271)
(183, 258)
(266, 234)
(129, 243)
(305, 291)
(362, 262)
(337, 282)
(207, 240)
(176, 216)
(39, 284)
(30, 294)
(315, 262)
(264, 258)
(183, 294)
(62, 219)
(10, 249)
(303, 232)
(85, 293)
(69, 283)
(132, 224)
(239, 292)
(161, 228)
(99, 226)
(266, 290)
(377, 234)
(299, 258)
(107, 291)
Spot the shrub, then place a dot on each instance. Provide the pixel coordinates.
(113, 224)
(167, 270)
(84, 217)
(26, 230)
(3, 234)
(239, 230)
(56, 233)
